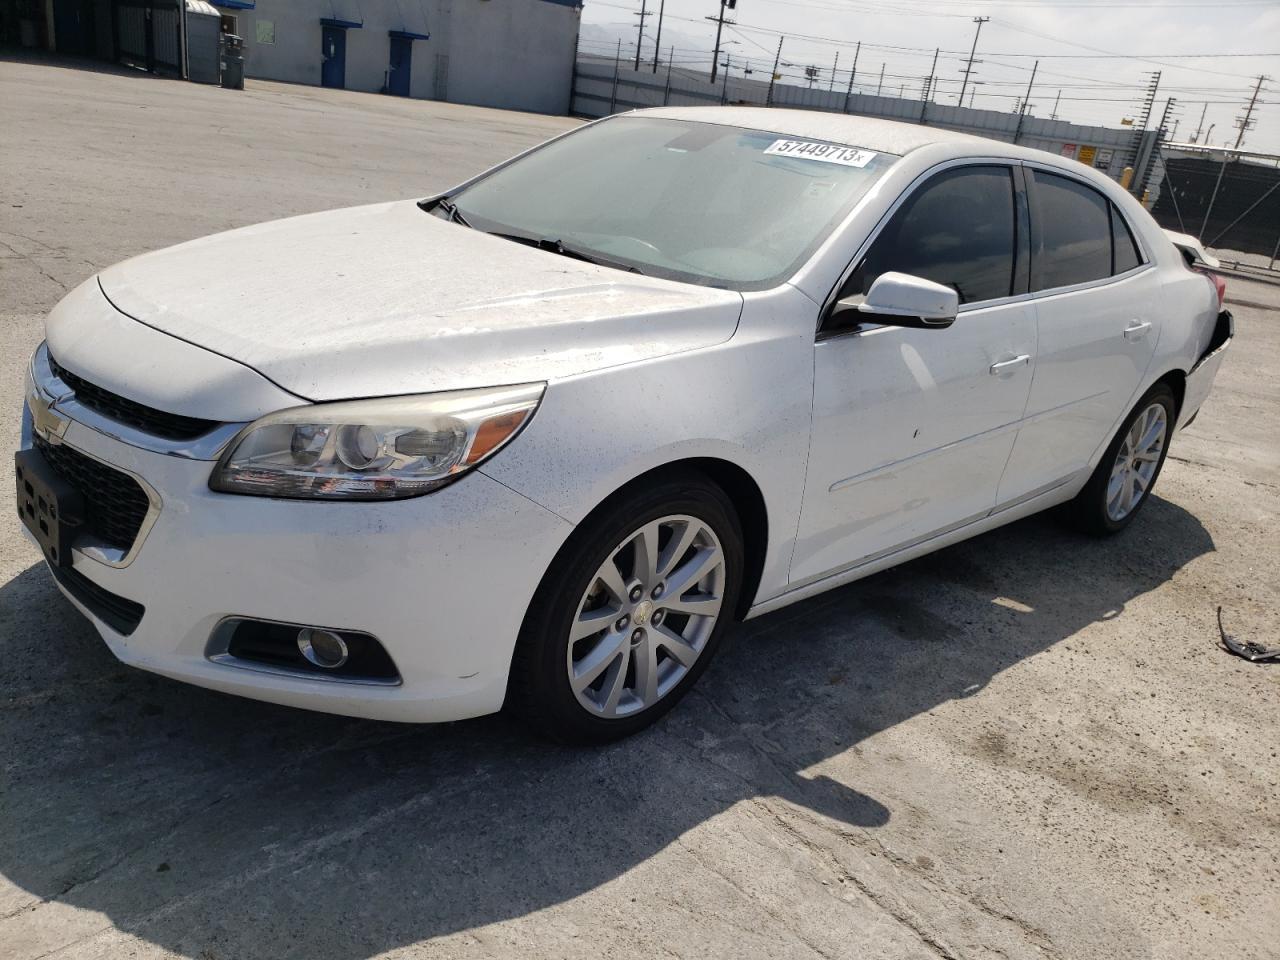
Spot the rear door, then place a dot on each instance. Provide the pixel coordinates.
(1095, 294)
(912, 428)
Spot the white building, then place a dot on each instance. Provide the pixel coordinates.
(514, 54)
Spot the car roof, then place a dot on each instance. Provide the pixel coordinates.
(872, 133)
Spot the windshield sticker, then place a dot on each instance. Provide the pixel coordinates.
(823, 152)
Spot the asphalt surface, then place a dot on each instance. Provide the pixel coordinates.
(1025, 746)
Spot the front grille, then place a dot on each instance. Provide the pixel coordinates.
(119, 613)
(170, 426)
(115, 504)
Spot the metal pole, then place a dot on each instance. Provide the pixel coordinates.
(1056, 101)
(852, 73)
(1140, 176)
(968, 65)
(666, 94)
(880, 85)
(1026, 103)
(657, 41)
(1200, 125)
(1214, 197)
(715, 54)
(1248, 111)
(640, 33)
(834, 66)
(617, 65)
(928, 87)
(768, 99)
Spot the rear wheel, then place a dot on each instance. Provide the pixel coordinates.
(630, 613)
(1128, 470)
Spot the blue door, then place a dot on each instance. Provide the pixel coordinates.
(401, 59)
(333, 47)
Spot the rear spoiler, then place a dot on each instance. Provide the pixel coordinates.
(1192, 250)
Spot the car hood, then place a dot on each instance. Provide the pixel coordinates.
(386, 299)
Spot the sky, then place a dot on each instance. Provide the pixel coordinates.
(1099, 54)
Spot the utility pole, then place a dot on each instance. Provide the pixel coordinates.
(768, 100)
(834, 66)
(880, 85)
(1140, 130)
(1140, 176)
(1195, 138)
(1026, 103)
(972, 96)
(968, 64)
(852, 73)
(657, 43)
(666, 93)
(1246, 122)
(928, 87)
(724, 92)
(1056, 101)
(720, 21)
(640, 35)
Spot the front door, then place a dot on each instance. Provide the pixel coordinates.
(401, 63)
(1097, 307)
(912, 428)
(333, 70)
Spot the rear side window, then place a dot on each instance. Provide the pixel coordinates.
(1075, 230)
(958, 230)
(1125, 251)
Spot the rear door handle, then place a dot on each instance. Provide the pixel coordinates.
(1006, 366)
(1136, 330)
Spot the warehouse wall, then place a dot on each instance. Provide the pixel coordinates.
(515, 54)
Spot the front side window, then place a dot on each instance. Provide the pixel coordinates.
(699, 202)
(1075, 230)
(959, 229)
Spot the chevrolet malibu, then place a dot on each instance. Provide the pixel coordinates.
(538, 441)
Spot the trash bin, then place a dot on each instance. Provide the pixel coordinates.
(232, 62)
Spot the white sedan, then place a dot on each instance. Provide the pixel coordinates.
(538, 441)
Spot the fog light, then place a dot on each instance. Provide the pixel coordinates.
(323, 648)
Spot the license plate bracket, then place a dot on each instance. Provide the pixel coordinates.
(50, 508)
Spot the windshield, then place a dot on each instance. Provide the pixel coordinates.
(698, 202)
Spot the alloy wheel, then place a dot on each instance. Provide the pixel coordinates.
(646, 616)
(1137, 461)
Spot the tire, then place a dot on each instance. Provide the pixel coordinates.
(573, 596)
(1096, 510)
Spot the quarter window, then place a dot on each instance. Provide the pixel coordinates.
(1125, 254)
(959, 230)
(1075, 230)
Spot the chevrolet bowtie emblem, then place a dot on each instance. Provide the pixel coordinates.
(46, 421)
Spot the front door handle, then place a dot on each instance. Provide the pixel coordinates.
(1136, 330)
(1006, 366)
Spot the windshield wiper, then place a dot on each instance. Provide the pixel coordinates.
(555, 245)
(450, 209)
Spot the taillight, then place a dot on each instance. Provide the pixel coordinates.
(1219, 287)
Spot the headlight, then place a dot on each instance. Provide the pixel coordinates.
(373, 449)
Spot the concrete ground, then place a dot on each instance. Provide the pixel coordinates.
(1025, 746)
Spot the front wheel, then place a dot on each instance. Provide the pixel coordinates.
(630, 613)
(1128, 470)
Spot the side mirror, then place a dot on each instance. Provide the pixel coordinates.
(901, 300)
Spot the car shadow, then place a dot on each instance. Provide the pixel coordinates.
(189, 818)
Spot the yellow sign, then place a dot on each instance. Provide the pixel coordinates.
(1087, 155)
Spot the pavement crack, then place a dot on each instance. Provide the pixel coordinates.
(751, 898)
(894, 911)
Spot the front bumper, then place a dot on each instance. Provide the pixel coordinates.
(443, 581)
